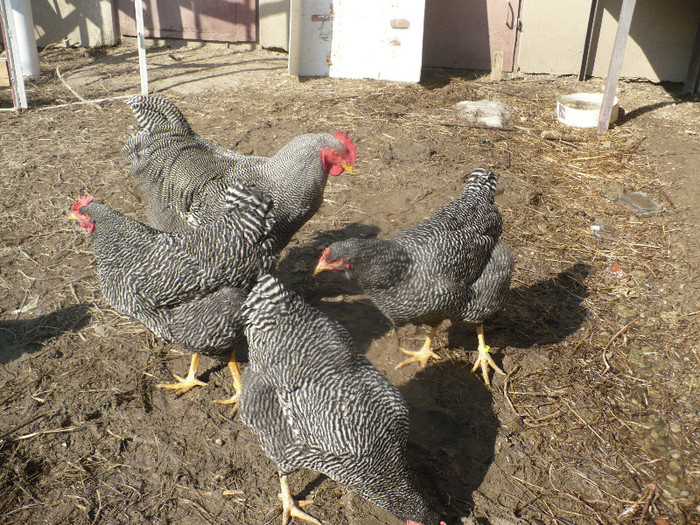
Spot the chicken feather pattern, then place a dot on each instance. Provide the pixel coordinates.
(187, 289)
(452, 266)
(185, 174)
(314, 402)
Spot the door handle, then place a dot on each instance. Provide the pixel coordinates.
(510, 17)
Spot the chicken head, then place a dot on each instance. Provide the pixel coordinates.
(83, 218)
(337, 161)
(337, 265)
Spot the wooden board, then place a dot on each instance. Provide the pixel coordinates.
(209, 20)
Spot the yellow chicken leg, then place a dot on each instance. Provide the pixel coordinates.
(485, 360)
(185, 384)
(236, 373)
(424, 354)
(292, 509)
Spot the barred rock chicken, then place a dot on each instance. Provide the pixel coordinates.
(185, 175)
(187, 289)
(315, 403)
(449, 267)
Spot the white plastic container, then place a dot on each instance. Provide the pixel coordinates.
(582, 109)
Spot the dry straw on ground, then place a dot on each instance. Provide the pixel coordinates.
(596, 421)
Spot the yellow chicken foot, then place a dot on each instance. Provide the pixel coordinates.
(424, 354)
(485, 360)
(185, 384)
(236, 373)
(292, 509)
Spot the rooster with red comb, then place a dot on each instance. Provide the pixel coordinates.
(185, 174)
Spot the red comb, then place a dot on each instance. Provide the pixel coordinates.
(347, 142)
(325, 253)
(83, 200)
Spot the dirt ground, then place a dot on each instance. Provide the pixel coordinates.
(598, 419)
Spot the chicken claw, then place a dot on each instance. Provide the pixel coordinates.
(185, 384)
(424, 354)
(485, 360)
(292, 509)
(236, 374)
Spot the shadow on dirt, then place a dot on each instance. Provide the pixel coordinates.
(453, 434)
(25, 336)
(545, 312)
(328, 291)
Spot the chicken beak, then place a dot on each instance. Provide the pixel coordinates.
(321, 267)
(73, 217)
(348, 168)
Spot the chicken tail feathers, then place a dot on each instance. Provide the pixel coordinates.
(156, 112)
(162, 129)
(176, 163)
(255, 213)
(481, 185)
(265, 302)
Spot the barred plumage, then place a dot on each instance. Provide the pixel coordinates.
(184, 174)
(448, 267)
(314, 402)
(187, 289)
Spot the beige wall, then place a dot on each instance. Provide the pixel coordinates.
(659, 45)
(76, 22)
(274, 24)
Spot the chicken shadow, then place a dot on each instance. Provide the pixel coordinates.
(452, 435)
(329, 291)
(545, 312)
(25, 336)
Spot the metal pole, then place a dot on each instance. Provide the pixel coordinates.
(141, 40)
(19, 95)
(24, 38)
(587, 43)
(693, 67)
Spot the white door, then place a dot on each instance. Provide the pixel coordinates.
(367, 39)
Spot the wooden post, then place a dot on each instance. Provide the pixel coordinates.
(294, 62)
(497, 67)
(618, 53)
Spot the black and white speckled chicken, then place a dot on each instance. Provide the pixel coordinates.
(315, 403)
(186, 288)
(185, 174)
(448, 267)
